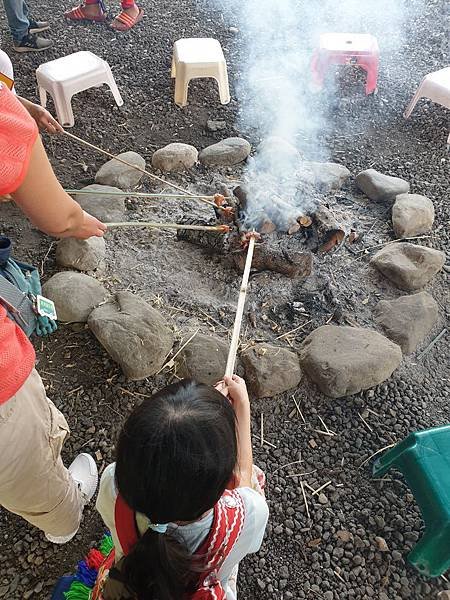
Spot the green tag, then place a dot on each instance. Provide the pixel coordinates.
(46, 308)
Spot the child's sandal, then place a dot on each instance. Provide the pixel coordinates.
(124, 22)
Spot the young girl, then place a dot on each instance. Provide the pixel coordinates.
(179, 455)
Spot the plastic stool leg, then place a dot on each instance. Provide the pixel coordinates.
(371, 68)
(111, 83)
(318, 70)
(413, 102)
(64, 112)
(431, 554)
(224, 88)
(43, 96)
(173, 70)
(181, 86)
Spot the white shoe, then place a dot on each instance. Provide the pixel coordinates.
(85, 474)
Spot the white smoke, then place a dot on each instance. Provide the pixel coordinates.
(274, 84)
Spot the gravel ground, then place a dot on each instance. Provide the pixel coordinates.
(336, 553)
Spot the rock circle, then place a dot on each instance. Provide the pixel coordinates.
(83, 255)
(408, 266)
(230, 151)
(204, 359)
(175, 157)
(380, 187)
(99, 204)
(116, 174)
(75, 295)
(412, 215)
(343, 361)
(270, 370)
(134, 334)
(407, 320)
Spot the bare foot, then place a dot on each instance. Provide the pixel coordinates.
(92, 10)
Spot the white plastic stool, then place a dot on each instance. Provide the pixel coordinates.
(436, 87)
(198, 57)
(68, 75)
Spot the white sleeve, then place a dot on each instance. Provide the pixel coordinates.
(250, 540)
(105, 503)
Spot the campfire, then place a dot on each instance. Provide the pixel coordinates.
(287, 236)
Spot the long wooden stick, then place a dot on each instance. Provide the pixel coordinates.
(135, 194)
(140, 169)
(240, 310)
(157, 225)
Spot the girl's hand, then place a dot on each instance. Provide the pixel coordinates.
(237, 390)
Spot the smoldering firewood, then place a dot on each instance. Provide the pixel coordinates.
(329, 231)
(268, 257)
(241, 193)
(204, 239)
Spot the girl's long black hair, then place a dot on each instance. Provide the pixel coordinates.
(176, 453)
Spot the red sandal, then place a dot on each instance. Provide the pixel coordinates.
(78, 13)
(124, 22)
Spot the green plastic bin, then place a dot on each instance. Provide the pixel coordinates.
(424, 460)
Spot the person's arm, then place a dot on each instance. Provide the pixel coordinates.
(46, 204)
(237, 392)
(43, 118)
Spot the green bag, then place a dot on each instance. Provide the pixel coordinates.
(20, 293)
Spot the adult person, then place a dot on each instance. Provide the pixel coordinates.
(95, 10)
(24, 29)
(34, 482)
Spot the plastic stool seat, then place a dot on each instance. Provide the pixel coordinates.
(68, 75)
(358, 49)
(424, 460)
(195, 58)
(436, 87)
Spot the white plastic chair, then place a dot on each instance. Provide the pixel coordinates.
(436, 87)
(68, 75)
(195, 58)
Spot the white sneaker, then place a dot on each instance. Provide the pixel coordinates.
(85, 474)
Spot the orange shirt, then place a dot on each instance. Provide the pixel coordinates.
(18, 133)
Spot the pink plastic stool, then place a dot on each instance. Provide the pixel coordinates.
(359, 49)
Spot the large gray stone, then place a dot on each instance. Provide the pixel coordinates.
(75, 295)
(226, 153)
(270, 370)
(408, 266)
(412, 215)
(83, 255)
(133, 333)
(119, 175)
(326, 177)
(379, 187)
(107, 208)
(204, 359)
(407, 320)
(175, 157)
(342, 361)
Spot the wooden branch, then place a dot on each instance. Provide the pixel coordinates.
(156, 225)
(240, 310)
(137, 194)
(128, 164)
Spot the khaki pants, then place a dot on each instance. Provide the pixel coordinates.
(33, 480)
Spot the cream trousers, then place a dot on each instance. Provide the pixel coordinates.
(34, 483)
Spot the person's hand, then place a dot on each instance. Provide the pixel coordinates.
(43, 118)
(236, 390)
(89, 228)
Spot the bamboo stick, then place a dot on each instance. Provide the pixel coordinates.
(134, 194)
(240, 310)
(140, 169)
(157, 225)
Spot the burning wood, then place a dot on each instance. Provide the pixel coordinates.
(329, 231)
